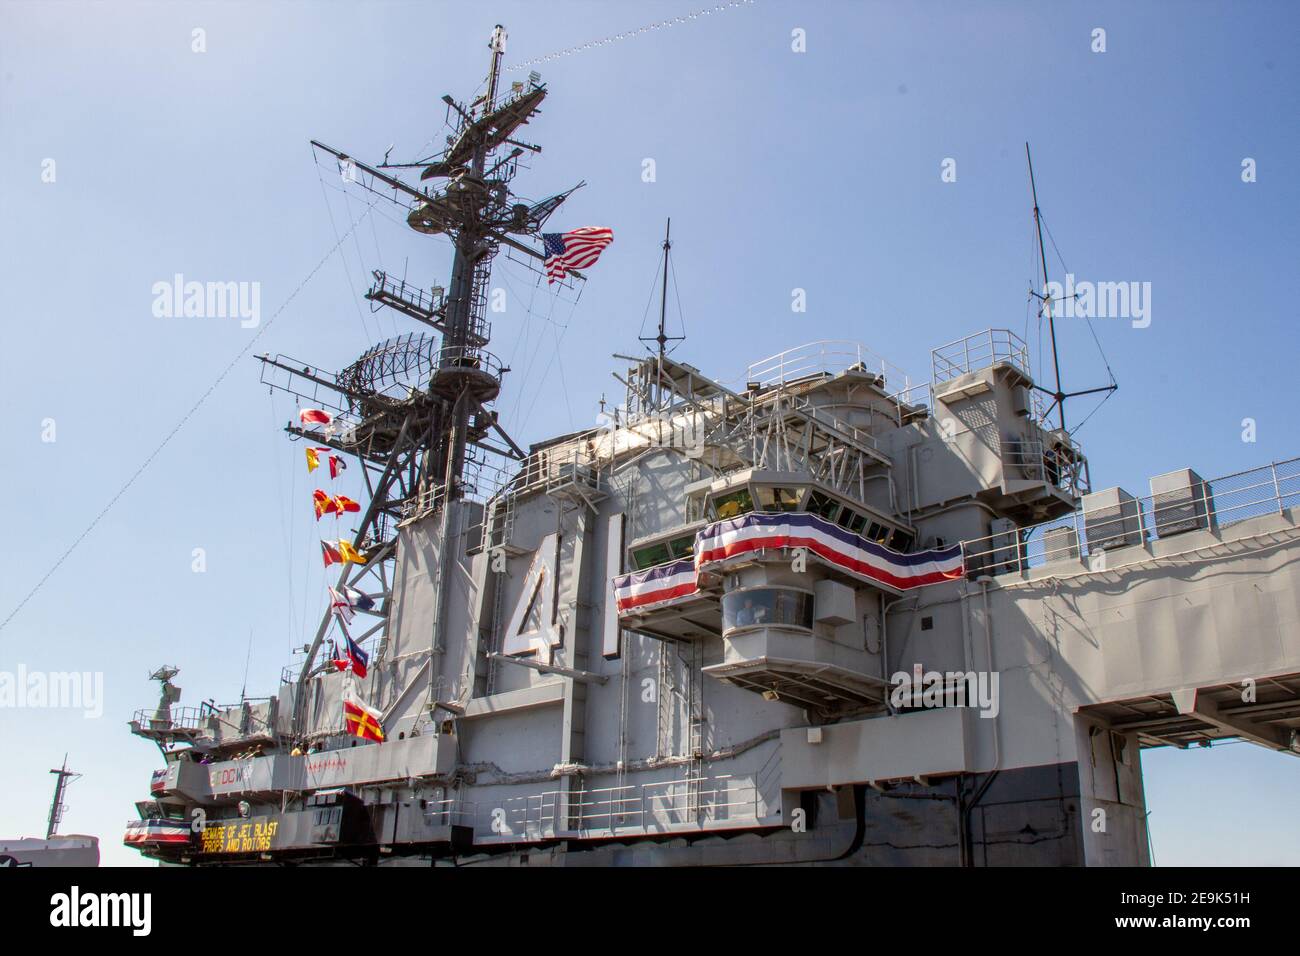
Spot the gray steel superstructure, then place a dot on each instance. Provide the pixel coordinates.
(782, 706)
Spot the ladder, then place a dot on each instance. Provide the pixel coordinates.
(495, 628)
(695, 727)
(667, 692)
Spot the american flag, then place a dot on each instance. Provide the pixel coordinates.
(574, 250)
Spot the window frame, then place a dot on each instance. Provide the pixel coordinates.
(809, 607)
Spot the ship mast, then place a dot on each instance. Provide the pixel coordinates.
(415, 410)
(662, 339)
(64, 777)
(1058, 396)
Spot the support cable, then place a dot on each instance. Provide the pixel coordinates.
(94, 523)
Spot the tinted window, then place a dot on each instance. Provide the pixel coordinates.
(778, 499)
(823, 505)
(682, 547)
(650, 555)
(766, 607)
(733, 504)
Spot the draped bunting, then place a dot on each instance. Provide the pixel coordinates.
(677, 581)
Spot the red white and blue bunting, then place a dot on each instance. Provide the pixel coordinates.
(156, 831)
(655, 587)
(677, 581)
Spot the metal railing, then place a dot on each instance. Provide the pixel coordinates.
(1060, 465)
(554, 468)
(173, 719)
(452, 812)
(979, 350)
(683, 804)
(468, 357)
(915, 396)
(1220, 503)
(385, 289)
(826, 357)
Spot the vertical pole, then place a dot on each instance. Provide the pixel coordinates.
(663, 296)
(56, 805)
(1047, 302)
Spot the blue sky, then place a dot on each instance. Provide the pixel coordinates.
(818, 170)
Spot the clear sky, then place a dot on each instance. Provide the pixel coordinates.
(818, 170)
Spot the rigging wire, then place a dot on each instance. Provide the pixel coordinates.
(1088, 319)
(286, 525)
(94, 523)
(564, 386)
(531, 363)
(361, 264)
(628, 34)
(347, 271)
(681, 316)
(564, 330)
(650, 296)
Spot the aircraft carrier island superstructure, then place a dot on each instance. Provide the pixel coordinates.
(828, 614)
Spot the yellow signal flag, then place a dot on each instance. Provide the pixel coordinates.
(313, 460)
(350, 553)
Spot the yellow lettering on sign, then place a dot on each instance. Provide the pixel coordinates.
(253, 837)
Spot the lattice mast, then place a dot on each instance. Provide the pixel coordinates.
(411, 408)
(475, 209)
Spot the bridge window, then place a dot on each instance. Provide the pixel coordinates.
(901, 541)
(673, 549)
(778, 499)
(823, 505)
(682, 547)
(650, 555)
(850, 520)
(733, 504)
(766, 607)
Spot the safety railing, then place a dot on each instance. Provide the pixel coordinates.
(468, 357)
(1060, 464)
(452, 812)
(667, 807)
(827, 357)
(173, 719)
(980, 350)
(913, 397)
(406, 296)
(1217, 503)
(553, 468)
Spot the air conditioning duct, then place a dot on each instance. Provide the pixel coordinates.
(1180, 501)
(1111, 519)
